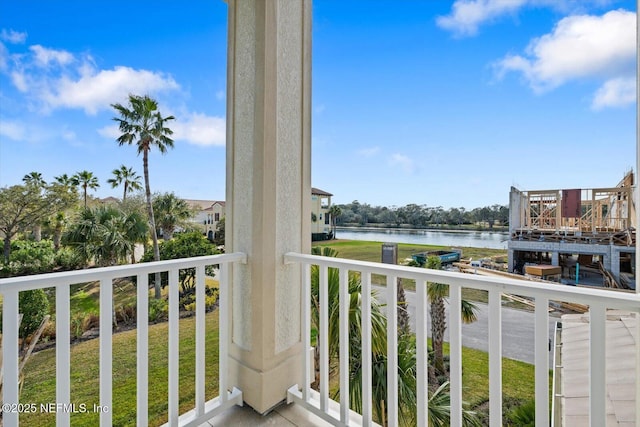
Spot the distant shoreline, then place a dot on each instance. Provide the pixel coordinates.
(499, 229)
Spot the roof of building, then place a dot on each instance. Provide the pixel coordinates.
(620, 365)
(204, 204)
(319, 192)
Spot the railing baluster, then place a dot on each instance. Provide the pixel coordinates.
(63, 353)
(106, 351)
(174, 343)
(455, 355)
(542, 361)
(344, 345)
(224, 323)
(598, 372)
(142, 350)
(200, 337)
(422, 352)
(323, 339)
(367, 383)
(10, 355)
(495, 357)
(392, 350)
(306, 329)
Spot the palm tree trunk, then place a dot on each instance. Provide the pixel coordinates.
(152, 221)
(438, 325)
(124, 194)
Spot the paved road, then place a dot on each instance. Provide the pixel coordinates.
(517, 329)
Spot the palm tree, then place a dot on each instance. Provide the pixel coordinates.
(439, 409)
(87, 181)
(437, 293)
(335, 212)
(65, 180)
(170, 211)
(35, 179)
(142, 125)
(126, 177)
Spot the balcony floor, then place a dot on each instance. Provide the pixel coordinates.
(282, 416)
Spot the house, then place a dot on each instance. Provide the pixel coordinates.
(589, 233)
(264, 360)
(320, 217)
(208, 214)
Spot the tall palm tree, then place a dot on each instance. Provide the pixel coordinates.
(126, 177)
(437, 292)
(142, 125)
(170, 211)
(87, 181)
(34, 178)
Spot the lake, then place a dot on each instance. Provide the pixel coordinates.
(454, 238)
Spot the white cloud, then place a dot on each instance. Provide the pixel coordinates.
(403, 162)
(110, 132)
(368, 152)
(617, 92)
(581, 47)
(12, 130)
(97, 90)
(43, 56)
(467, 15)
(199, 129)
(12, 36)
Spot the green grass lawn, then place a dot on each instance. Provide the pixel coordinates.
(39, 382)
(372, 251)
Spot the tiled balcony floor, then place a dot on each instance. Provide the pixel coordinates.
(282, 416)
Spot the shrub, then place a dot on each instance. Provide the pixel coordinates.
(158, 310)
(33, 305)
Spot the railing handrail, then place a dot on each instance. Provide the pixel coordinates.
(45, 280)
(621, 299)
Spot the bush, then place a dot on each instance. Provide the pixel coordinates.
(33, 305)
(158, 310)
(67, 259)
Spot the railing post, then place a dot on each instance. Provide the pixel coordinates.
(455, 354)
(495, 357)
(422, 353)
(10, 355)
(63, 352)
(366, 349)
(392, 350)
(106, 351)
(542, 361)
(597, 371)
(344, 345)
(142, 350)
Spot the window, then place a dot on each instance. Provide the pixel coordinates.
(217, 217)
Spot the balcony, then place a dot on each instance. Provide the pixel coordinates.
(309, 407)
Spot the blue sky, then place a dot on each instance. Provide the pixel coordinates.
(429, 102)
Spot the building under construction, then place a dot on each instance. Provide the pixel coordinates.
(578, 236)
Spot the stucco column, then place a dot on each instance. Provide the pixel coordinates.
(268, 191)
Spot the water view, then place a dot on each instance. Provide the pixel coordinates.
(473, 239)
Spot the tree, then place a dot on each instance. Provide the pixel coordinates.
(186, 245)
(87, 181)
(35, 179)
(106, 235)
(23, 206)
(126, 177)
(171, 212)
(218, 237)
(142, 125)
(335, 212)
(437, 293)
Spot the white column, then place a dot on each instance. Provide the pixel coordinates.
(268, 191)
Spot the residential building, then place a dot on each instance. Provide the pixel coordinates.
(208, 214)
(320, 217)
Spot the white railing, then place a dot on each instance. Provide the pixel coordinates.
(202, 411)
(599, 300)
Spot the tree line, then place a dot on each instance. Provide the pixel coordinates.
(421, 216)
